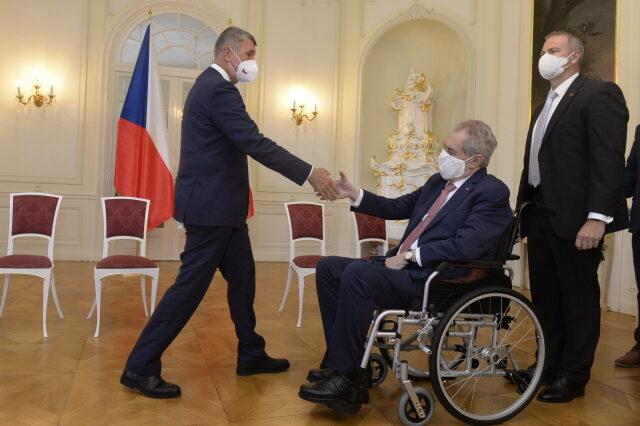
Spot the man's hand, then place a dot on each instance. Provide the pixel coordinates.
(343, 188)
(590, 234)
(320, 180)
(396, 262)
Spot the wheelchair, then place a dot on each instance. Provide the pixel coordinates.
(479, 344)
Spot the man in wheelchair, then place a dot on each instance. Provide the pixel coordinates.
(459, 214)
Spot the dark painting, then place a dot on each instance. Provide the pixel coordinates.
(594, 21)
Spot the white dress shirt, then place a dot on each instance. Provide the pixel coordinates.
(561, 90)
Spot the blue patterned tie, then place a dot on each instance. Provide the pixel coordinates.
(536, 141)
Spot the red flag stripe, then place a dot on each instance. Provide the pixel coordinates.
(141, 171)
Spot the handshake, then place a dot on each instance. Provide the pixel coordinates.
(328, 189)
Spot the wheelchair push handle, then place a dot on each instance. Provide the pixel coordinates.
(541, 207)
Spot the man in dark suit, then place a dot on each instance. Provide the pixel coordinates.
(632, 189)
(212, 194)
(574, 165)
(459, 214)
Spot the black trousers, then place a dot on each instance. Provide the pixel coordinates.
(635, 245)
(348, 292)
(566, 296)
(206, 249)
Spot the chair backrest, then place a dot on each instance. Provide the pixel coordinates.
(507, 241)
(33, 214)
(306, 223)
(511, 235)
(125, 218)
(369, 228)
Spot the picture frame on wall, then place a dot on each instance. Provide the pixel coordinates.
(593, 21)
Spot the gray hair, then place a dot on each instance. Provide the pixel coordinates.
(481, 140)
(232, 35)
(574, 41)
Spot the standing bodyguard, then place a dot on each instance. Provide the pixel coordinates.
(211, 199)
(574, 165)
(632, 189)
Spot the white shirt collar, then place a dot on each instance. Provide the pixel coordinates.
(564, 86)
(222, 72)
(459, 183)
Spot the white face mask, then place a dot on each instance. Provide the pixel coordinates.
(247, 70)
(551, 66)
(450, 166)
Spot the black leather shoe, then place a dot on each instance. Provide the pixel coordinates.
(317, 374)
(264, 364)
(561, 390)
(340, 386)
(151, 386)
(522, 378)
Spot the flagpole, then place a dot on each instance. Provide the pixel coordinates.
(150, 16)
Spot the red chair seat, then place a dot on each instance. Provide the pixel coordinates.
(120, 261)
(308, 261)
(25, 261)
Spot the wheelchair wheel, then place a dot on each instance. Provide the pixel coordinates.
(379, 369)
(481, 340)
(408, 414)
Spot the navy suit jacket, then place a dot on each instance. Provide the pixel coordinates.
(467, 227)
(212, 185)
(632, 183)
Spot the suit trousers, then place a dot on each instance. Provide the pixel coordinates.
(206, 249)
(566, 296)
(635, 245)
(348, 292)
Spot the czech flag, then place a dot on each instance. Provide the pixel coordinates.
(142, 151)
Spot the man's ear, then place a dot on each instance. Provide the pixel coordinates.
(477, 160)
(226, 53)
(577, 56)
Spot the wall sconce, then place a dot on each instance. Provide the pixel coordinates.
(299, 115)
(38, 98)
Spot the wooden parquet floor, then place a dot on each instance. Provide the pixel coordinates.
(72, 378)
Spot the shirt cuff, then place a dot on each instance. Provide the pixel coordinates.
(418, 261)
(310, 173)
(358, 200)
(598, 216)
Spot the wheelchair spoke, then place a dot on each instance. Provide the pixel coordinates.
(478, 344)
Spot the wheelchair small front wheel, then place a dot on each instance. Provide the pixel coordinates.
(408, 414)
(379, 370)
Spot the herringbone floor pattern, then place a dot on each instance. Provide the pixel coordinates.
(71, 378)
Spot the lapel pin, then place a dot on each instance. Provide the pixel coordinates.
(572, 94)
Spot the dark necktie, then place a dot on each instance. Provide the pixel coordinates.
(433, 211)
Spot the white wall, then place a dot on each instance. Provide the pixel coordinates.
(326, 46)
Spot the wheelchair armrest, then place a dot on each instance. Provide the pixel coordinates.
(487, 264)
